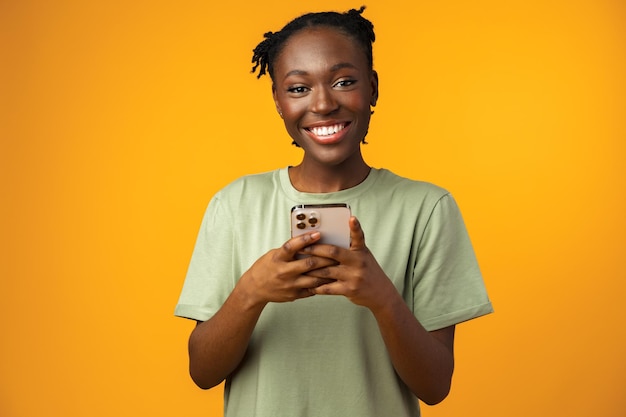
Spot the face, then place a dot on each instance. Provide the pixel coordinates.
(324, 89)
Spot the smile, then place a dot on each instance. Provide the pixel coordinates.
(327, 130)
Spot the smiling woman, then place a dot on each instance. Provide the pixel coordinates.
(397, 299)
(323, 88)
(119, 122)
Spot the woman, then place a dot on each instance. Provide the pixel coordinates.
(360, 331)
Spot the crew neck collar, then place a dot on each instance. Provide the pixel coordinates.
(336, 196)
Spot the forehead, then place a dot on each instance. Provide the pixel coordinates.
(319, 47)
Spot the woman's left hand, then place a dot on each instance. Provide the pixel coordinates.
(423, 360)
(357, 275)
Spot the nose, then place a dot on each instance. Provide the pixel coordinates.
(323, 101)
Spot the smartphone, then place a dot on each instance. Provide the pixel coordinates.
(331, 220)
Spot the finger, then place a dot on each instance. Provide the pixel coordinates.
(333, 252)
(334, 273)
(307, 281)
(332, 288)
(294, 245)
(357, 237)
(311, 263)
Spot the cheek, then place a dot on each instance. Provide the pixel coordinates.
(358, 102)
(293, 112)
(293, 109)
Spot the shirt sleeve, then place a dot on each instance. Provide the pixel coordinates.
(447, 284)
(209, 279)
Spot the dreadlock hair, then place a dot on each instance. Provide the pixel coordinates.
(351, 23)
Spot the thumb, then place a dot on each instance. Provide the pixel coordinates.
(357, 237)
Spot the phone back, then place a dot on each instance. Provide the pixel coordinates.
(331, 220)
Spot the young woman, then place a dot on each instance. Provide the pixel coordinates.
(362, 331)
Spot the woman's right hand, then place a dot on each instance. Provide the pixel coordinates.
(278, 276)
(218, 345)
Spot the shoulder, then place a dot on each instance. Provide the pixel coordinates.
(243, 191)
(398, 187)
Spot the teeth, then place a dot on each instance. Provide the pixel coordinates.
(327, 130)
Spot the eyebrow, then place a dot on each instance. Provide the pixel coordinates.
(334, 68)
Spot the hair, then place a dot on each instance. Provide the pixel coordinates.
(350, 23)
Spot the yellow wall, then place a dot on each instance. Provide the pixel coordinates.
(119, 119)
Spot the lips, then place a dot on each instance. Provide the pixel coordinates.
(328, 133)
(327, 130)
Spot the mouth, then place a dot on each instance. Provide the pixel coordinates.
(326, 131)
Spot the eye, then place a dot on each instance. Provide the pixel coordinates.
(347, 82)
(298, 89)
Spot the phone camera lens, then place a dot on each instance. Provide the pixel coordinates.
(313, 220)
(301, 225)
(300, 216)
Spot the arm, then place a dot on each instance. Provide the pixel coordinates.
(218, 345)
(423, 360)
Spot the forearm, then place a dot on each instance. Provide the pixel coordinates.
(217, 346)
(424, 362)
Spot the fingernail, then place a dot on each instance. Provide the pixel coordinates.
(315, 235)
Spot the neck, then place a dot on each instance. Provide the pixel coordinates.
(308, 179)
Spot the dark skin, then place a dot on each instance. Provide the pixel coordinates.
(324, 89)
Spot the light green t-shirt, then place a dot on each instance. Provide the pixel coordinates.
(324, 356)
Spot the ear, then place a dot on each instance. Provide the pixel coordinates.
(278, 109)
(374, 82)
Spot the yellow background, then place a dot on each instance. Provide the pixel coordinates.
(120, 119)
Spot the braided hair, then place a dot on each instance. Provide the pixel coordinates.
(351, 23)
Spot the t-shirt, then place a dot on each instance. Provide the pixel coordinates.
(323, 355)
